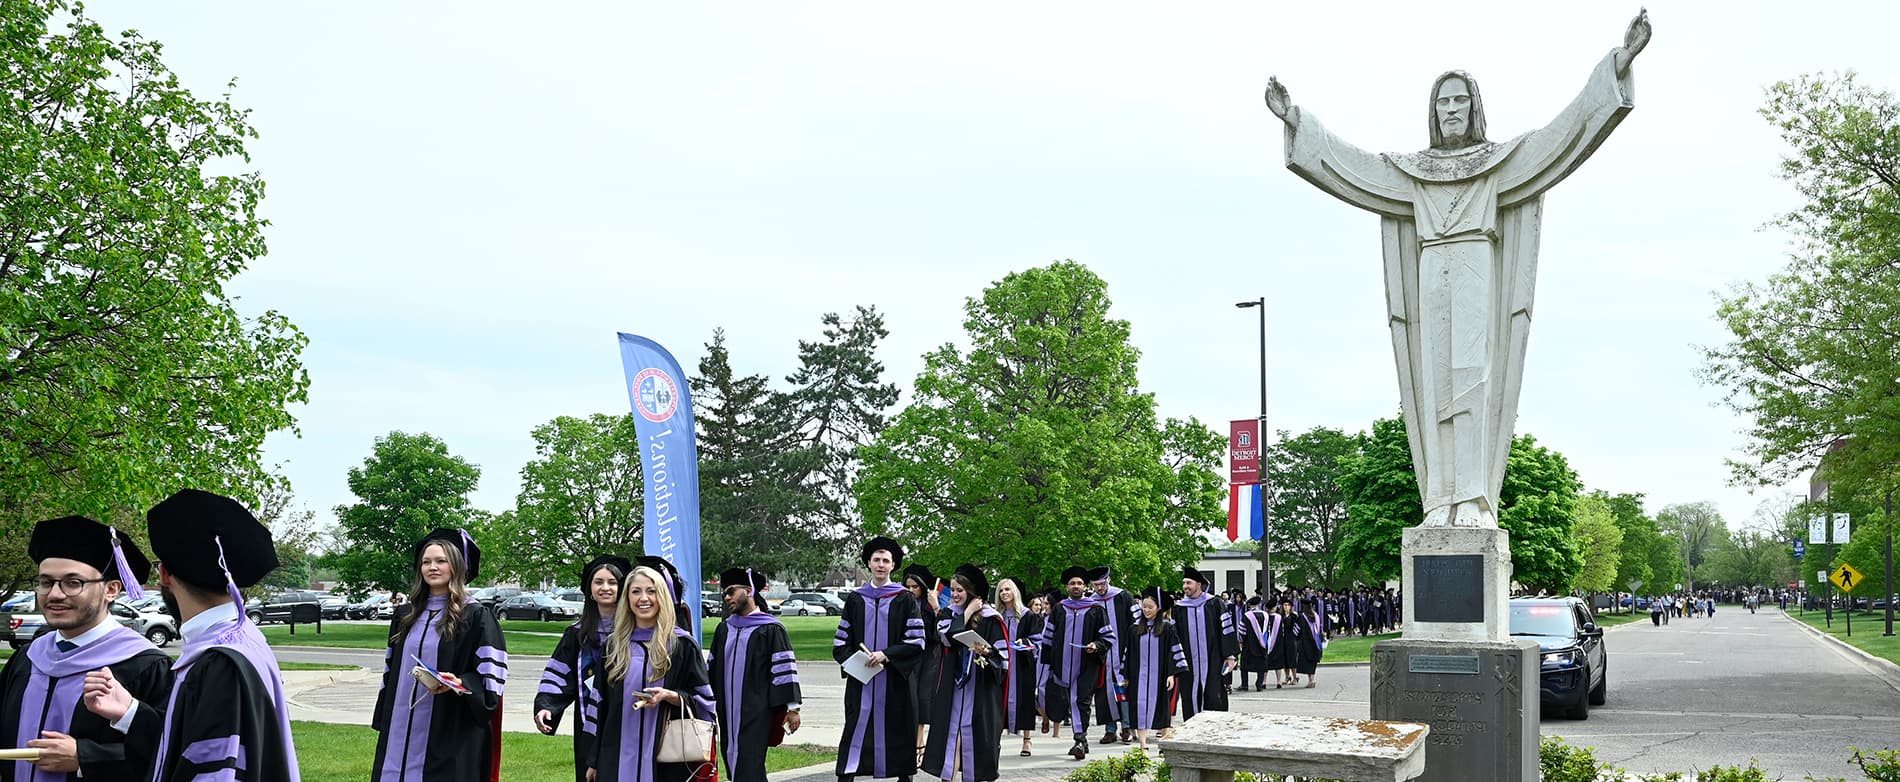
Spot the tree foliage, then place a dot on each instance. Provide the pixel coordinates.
(1600, 541)
(125, 370)
(1381, 502)
(1034, 448)
(410, 484)
(1645, 555)
(1812, 352)
(1536, 506)
(1307, 506)
(295, 535)
(581, 496)
(1695, 528)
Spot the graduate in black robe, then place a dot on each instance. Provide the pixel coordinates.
(1284, 656)
(427, 732)
(83, 567)
(922, 586)
(1019, 688)
(881, 620)
(966, 732)
(1256, 630)
(754, 677)
(569, 676)
(1306, 634)
(1076, 643)
(225, 715)
(1111, 710)
(1051, 697)
(640, 691)
(1207, 631)
(1153, 661)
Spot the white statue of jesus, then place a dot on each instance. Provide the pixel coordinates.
(1460, 224)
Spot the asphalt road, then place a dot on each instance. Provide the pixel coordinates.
(1689, 696)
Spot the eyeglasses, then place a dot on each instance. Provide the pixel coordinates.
(69, 586)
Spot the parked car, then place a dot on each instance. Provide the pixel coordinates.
(541, 607)
(1575, 670)
(797, 607)
(574, 598)
(20, 620)
(295, 606)
(159, 628)
(833, 605)
(368, 607)
(334, 606)
(492, 596)
(151, 603)
(712, 604)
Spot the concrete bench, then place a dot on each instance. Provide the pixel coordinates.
(1215, 744)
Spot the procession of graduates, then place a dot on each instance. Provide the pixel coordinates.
(937, 670)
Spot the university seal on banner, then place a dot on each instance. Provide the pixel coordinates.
(656, 396)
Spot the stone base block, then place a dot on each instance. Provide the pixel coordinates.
(1457, 583)
(1480, 700)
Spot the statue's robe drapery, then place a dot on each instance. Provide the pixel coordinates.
(1460, 234)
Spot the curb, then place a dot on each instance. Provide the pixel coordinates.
(1882, 668)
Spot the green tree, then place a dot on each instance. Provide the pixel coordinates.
(1810, 361)
(1035, 448)
(1600, 541)
(581, 496)
(1695, 528)
(294, 533)
(1536, 506)
(1381, 501)
(1639, 536)
(842, 403)
(125, 369)
(755, 506)
(410, 484)
(1307, 506)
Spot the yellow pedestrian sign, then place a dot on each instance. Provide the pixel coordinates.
(1845, 577)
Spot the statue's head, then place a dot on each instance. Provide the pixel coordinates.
(1457, 112)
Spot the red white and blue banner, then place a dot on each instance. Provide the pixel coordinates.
(1246, 511)
(669, 460)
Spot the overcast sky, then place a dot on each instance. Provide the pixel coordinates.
(469, 199)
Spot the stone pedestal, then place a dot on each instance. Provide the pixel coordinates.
(1457, 583)
(1480, 700)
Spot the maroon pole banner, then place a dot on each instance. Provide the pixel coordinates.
(1243, 451)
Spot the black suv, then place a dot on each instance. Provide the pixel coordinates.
(1575, 667)
(301, 607)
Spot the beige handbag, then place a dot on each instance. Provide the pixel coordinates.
(686, 740)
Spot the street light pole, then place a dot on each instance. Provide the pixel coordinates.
(1266, 518)
(1889, 563)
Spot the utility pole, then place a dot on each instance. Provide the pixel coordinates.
(1889, 557)
(1266, 508)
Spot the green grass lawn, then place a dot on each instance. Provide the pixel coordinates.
(296, 666)
(811, 635)
(345, 753)
(376, 636)
(1868, 626)
(1353, 649)
(1612, 620)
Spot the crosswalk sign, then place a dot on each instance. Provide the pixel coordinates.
(1845, 577)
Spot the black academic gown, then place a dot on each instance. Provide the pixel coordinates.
(1121, 613)
(225, 711)
(569, 677)
(929, 670)
(146, 674)
(1073, 625)
(754, 677)
(1307, 639)
(1151, 661)
(966, 731)
(1285, 653)
(880, 721)
(1207, 633)
(1254, 628)
(1020, 715)
(449, 737)
(629, 745)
